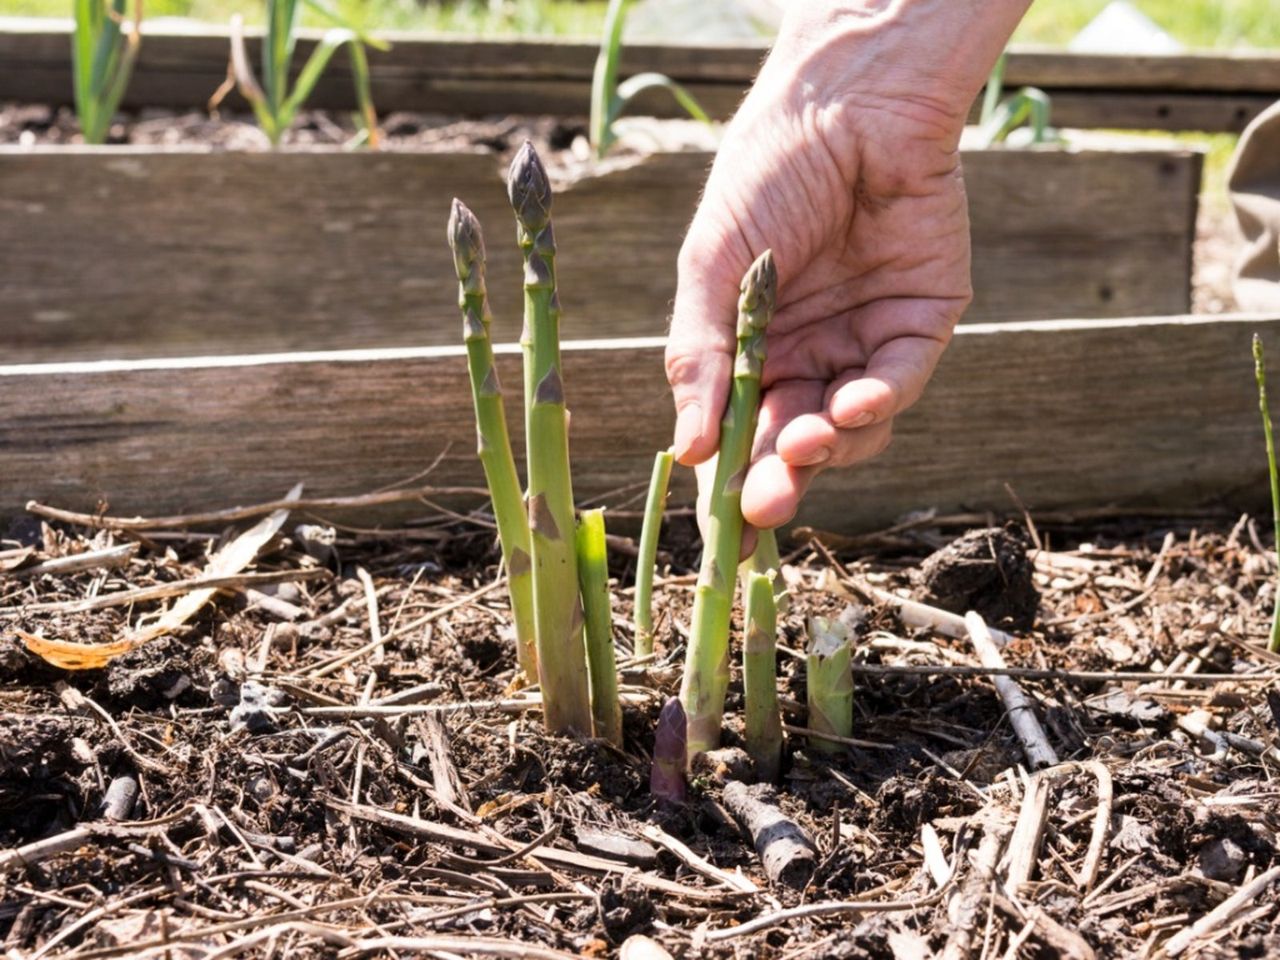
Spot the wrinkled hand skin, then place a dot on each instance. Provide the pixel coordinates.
(844, 159)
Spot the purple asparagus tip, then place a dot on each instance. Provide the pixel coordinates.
(670, 753)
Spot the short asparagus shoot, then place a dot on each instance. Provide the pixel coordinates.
(670, 753)
(829, 683)
(706, 671)
(562, 662)
(766, 557)
(494, 443)
(1260, 373)
(602, 665)
(655, 505)
(760, 677)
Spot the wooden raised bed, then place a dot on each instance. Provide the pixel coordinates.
(1195, 91)
(136, 252)
(1153, 413)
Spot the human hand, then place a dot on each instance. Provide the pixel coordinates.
(844, 160)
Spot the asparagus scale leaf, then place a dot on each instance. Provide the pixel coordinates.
(706, 673)
(494, 442)
(562, 664)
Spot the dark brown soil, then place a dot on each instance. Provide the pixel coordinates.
(265, 827)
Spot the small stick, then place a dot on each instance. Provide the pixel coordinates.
(1222, 914)
(1065, 676)
(1101, 825)
(233, 514)
(77, 563)
(734, 881)
(916, 614)
(1024, 845)
(788, 855)
(974, 892)
(162, 591)
(1019, 707)
(375, 625)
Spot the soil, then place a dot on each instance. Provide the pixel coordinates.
(265, 826)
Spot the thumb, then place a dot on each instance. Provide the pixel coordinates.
(700, 346)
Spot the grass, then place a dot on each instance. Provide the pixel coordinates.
(1218, 24)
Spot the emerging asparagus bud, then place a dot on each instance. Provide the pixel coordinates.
(670, 753)
(829, 683)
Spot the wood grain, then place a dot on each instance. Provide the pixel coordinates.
(1204, 91)
(123, 252)
(1148, 413)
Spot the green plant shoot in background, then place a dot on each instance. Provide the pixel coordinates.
(104, 53)
(275, 102)
(609, 97)
(1260, 373)
(999, 118)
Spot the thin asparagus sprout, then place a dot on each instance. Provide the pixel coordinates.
(765, 558)
(602, 666)
(654, 507)
(494, 443)
(829, 677)
(1260, 373)
(562, 663)
(760, 677)
(706, 672)
(670, 753)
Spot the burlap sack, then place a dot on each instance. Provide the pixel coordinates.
(1254, 183)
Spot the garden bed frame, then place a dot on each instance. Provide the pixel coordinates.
(122, 252)
(1142, 414)
(1194, 91)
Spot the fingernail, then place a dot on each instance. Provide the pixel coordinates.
(688, 428)
(821, 455)
(859, 420)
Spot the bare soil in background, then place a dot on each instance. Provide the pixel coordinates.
(273, 817)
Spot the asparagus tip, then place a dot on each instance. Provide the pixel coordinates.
(529, 189)
(760, 286)
(465, 238)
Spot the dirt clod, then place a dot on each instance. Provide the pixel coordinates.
(988, 571)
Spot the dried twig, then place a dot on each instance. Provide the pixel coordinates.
(1222, 914)
(1019, 706)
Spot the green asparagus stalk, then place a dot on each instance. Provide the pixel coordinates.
(706, 672)
(1260, 374)
(829, 683)
(499, 465)
(562, 664)
(765, 558)
(649, 534)
(760, 677)
(602, 666)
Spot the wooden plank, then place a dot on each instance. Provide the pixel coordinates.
(1145, 413)
(122, 252)
(1196, 91)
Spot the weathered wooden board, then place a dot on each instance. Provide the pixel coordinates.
(1205, 91)
(1148, 413)
(122, 252)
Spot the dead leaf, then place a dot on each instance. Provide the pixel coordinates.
(227, 562)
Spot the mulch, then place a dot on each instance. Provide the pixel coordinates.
(336, 760)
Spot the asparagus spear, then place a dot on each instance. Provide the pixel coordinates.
(829, 677)
(467, 244)
(649, 533)
(760, 677)
(670, 753)
(706, 672)
(1260, 374)
(602, 666)
(765, 558)
(562, 664)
